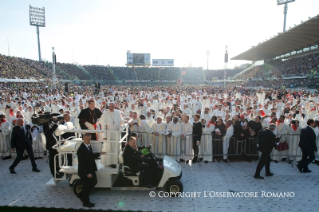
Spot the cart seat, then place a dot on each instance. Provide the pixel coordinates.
(125, 169)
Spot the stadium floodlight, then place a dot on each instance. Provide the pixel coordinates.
(37, 18)
(207, 52)
(280, 2)
(285, 2)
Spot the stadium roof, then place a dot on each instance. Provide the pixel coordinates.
(293, 39)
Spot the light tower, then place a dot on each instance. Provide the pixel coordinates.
(37, 18)
(207, 52)
(53, 67)
(225, 67)
(285, 2)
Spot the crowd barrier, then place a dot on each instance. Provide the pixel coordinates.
(214, 147)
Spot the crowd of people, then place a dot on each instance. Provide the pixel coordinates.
(298, 66)
(13, 67)
(73, 70)
(163, 115)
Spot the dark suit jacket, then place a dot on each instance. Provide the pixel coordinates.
(308, 139)
(131, 158)
(19, 139)
(85, 116)
(267, 141)
(86, 160)
(197, 131)
(48, 132)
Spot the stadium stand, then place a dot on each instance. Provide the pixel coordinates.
(72, 70)
(99, 72)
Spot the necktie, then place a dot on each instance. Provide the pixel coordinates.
(23, 131)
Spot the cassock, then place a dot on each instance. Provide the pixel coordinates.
(111, 121)
(5, 140)
(145, 131)
(197, 136)
(205, 149)
(173, 142)
(158, 142)
(91, 116)
(187, 130)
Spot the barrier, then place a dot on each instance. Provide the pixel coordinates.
(211, 147)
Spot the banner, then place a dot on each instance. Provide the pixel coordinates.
(163, 62)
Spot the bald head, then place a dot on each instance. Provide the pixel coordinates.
(20, 122)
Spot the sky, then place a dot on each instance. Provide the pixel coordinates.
(99, 32)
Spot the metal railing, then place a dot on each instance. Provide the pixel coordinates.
(215, 147)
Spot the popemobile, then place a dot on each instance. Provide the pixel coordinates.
(119, 178)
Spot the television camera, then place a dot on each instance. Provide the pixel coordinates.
(46, 118)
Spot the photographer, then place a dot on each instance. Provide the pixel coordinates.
(267, 141)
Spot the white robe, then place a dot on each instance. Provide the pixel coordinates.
(187, 149)
(281, 132)
(206, 148)
(111, 121)
(5, 142)
(226, 138)
(145, 130)
(173, 142)
(158, 142)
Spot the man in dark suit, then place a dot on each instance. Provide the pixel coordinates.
(87, 168)
(308, 146)
(133, 159)
(21, 140)
(267, 141)
(197, 135)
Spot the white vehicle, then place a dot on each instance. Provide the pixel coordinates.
(119, 178)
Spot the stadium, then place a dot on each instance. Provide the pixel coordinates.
(236, 93)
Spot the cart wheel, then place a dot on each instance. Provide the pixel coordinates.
(174, 185)
(77, 187)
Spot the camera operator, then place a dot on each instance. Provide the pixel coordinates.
(267, 141)
(48, 130)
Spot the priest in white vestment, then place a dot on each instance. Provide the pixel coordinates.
(226, 138)
(186, 139)
(281, 133)
(293, 137)
(158, 139)
(206, 148)
(111, 120)
(145, 131)
(173, 132)
(5, 136)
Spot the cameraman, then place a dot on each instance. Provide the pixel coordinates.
(48, 130)
(267, 141)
